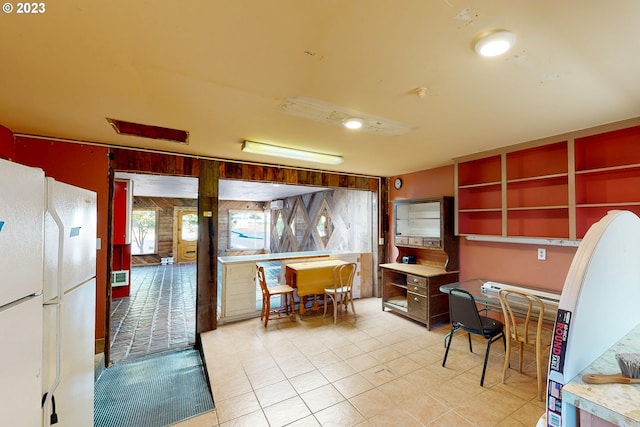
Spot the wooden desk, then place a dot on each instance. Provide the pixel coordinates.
(310, 279)
(489, 299)
(413, 290)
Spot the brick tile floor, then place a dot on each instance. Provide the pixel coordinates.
(158, 315)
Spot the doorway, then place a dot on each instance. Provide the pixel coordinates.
(159, 311)
(186, 234)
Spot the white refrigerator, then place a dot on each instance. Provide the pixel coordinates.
(22, 198)
(48, 252)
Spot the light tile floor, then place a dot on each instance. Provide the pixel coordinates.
(380, 369)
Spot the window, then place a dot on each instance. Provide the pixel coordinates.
(248, 230)
(189, 227)
(144, 231)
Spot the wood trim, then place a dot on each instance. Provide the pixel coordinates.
(250, 172)
(124, 160)
(109, 243)
(207, 265)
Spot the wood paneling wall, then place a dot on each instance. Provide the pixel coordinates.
(125, 160)
(296, 176)
(165, 208)
(348, 211)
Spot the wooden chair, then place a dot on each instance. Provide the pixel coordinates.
(464, 315)
(342, 290)
(523, 315)
(285, 291)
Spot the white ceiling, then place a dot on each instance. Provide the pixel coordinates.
(186, 187)
(222, 70)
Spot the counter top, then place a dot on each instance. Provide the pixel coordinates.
(417, 269)
(278, 256)
(616, 403)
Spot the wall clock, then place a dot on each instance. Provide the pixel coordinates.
(397, 183)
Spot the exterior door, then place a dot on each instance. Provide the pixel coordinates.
(187, 236)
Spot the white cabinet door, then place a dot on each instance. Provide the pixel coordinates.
(240, 289)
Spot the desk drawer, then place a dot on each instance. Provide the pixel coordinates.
(416, 280)
(417, 305)
(411, 287)
(415, 241)
(401, 240)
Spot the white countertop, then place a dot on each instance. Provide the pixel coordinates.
(278, 256)
(617, 403)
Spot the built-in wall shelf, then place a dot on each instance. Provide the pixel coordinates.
(550, 190)
(523, 240)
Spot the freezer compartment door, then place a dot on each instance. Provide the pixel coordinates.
(20, 363)
(74, 395)
(76, 208)
(21, 222)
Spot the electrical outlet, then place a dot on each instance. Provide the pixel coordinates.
(542, 254)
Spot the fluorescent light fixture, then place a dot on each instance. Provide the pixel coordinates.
(352, 123)
(290, 153)
(494, 43)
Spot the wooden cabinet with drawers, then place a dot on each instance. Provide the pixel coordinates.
(413, 290)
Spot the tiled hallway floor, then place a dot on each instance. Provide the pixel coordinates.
(158, 315)
(379, 370)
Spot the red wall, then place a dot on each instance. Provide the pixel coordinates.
(515, 263)
(502, 262)
(85, 166)
(6, 143)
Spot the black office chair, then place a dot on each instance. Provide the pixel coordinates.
(464, 314)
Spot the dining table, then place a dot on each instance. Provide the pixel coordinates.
(310, 279)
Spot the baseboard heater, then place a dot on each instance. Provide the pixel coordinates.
(547, 297)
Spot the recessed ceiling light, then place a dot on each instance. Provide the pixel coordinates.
(494, 43)
(352, 123)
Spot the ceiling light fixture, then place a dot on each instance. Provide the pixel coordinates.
(352, 123)
(494, 43)
(335, 115)
(290, 153)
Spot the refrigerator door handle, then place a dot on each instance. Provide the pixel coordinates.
(58, 301)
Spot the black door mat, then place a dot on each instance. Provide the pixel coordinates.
(152, 391)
